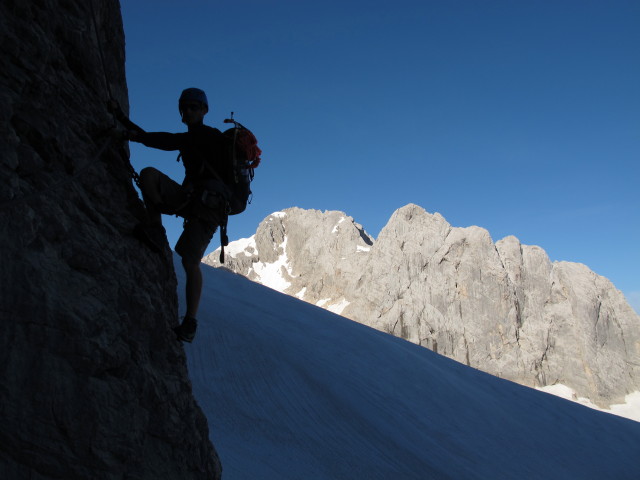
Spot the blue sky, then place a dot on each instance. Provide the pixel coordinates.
(520, 117)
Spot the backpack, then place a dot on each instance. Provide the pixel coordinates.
(243, 152)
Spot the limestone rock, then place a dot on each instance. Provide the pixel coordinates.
(94, 384)
(501, 307)
(284, 256)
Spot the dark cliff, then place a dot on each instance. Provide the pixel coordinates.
(93, 384)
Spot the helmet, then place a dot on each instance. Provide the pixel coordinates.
(193, 94)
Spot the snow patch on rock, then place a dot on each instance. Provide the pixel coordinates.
(335, 229)
(244, 246)
(339, 307)
(629, 409)
(274, 275)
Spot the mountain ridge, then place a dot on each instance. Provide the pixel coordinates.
(502, 307)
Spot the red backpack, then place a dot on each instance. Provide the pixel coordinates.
(244, 153)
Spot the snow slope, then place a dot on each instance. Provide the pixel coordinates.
(292, 391)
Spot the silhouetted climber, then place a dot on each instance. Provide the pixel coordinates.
(202, 199)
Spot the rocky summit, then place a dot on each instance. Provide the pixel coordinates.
(502, 307)
(94, 384)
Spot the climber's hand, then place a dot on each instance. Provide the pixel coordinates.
(133, 135)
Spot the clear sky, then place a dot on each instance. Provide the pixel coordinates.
(522, 117)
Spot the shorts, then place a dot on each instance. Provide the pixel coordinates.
(198, 229)
(195, 238)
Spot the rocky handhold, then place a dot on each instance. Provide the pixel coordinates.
(93, 381)
(501, 307)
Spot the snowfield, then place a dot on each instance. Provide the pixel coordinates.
(292, 391)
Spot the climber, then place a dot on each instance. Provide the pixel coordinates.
(201, 199)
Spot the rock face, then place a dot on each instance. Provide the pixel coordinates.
(504, 308)
(94, 384)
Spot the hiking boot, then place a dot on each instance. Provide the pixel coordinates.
(153, 236)
(187, 330)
